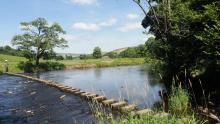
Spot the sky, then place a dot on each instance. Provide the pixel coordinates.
(109, 24)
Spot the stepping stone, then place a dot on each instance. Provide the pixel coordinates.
(143, 111)
(79, 92)
(90, 96)
(72, 90)
(129, 108)
(99, 98)
(108, 102)
(84, 94)
(117, 105)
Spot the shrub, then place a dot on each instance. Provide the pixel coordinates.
(179, 101)
(28, 66)
(49, 66)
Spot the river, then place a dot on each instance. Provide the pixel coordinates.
(135, 84)
(25, 101)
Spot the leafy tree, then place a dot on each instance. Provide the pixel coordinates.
(128, 53)
(188, 32)
(83, 57)
(187, 37)
(49, 55)
(69, 57)
(59, 57)
(39, 37)
(10, 51)
(112, 54)
(141, 51)
(97, 53)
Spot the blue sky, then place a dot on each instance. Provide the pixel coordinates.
(109, 24)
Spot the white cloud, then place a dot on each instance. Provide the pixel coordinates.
(84, 2)
(69, 37)
(130, 27)
(132, 16)
(86, 26)
(109, 22)
(94, 26)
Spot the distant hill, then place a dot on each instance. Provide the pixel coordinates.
(119, 50)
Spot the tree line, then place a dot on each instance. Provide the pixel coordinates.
(187, 39)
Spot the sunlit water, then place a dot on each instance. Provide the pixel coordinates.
(19, 97)
(134, 84)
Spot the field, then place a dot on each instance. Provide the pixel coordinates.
(72, 64)
(79, 64)
(12, 62)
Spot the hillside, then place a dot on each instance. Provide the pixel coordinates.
(119, 50)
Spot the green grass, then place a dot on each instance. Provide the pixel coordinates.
(102, 62)
(179, 113)
(12, 62)
(72, 64)
(157, 118)
(179, 101)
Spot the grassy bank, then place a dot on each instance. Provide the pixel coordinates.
(79, 64)
(13, 61)
(179, 112)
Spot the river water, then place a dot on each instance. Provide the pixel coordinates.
(135, 84)
(25, 101)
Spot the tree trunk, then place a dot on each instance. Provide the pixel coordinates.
(37, 60)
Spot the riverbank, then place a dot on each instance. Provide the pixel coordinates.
(13, 61)
(98, 63)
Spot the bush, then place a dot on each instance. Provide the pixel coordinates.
(49, 66)
(28, 66)
(179, 101)
(1, 72)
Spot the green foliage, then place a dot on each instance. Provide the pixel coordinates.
(134, 52)
(97, 53)
(179, 113)
(69, 57)
(128, 53)
(85, 57)
(59, 57)
(10, 51)
(179, 101)
(157, 118)
(50, 66)
(12, 62)
(49, 55)
(29, 67)
(102, 62)
(187, 37)
(112, 54)
(39, 38)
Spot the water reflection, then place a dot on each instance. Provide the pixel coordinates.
(136, 84)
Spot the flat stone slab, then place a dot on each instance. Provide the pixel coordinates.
(143, 111)
(108, 102)
(117, 105)
(89, 96)
(129, 107)
(99, 98)
(84, 94)
(79, 92)
(72, 90)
